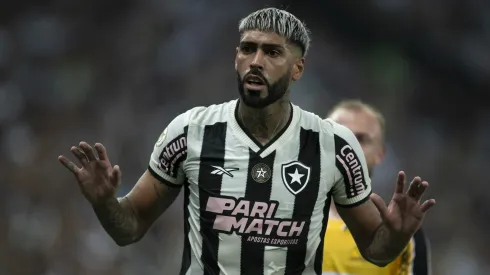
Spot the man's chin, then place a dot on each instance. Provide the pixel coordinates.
(258, 93)
(255, 98)
(255, 102)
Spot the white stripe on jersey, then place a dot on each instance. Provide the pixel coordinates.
(277, 255)
(195, 239)
(230, 244)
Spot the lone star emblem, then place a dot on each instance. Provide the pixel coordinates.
(296, 177)
(261, 173)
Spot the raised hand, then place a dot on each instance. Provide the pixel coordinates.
(97, 178)
(404, 214)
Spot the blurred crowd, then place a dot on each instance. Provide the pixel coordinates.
(117, 72)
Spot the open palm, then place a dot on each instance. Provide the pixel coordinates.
(96, 177)
(404, 214)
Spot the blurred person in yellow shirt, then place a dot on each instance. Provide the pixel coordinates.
(341, 255)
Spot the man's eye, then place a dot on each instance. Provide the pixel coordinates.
(247, 49)
(361, 138)
(273, 53)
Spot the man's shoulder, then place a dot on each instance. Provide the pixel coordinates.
(209, 115)
(311, 121)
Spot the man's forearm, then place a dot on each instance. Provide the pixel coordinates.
(119, 220)
(384, 247)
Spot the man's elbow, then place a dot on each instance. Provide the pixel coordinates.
(368, 255)
(379, 263)
(122, 242)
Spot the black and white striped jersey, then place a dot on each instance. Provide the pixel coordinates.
(252, 209)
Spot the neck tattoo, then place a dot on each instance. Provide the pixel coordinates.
(279, 122)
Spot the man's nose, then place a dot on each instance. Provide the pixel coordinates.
(258, 61)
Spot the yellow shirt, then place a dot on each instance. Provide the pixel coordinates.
(341, 255)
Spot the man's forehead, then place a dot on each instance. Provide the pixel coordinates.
(356, 120)
(259, 37)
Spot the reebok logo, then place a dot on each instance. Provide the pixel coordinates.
(220, 171)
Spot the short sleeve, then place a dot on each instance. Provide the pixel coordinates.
(352, 183)
(170, 153)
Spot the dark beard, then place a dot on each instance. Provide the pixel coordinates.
(275, 91)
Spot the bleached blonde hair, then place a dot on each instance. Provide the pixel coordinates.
(359, 105)
(280, 22)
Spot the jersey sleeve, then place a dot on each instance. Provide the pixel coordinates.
(352, 183)
(170, 152)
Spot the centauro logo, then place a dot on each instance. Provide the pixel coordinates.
(353, 169)
(254, 220)
(173, 154)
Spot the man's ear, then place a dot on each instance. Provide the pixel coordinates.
(236, 55)
(380, 155)
(298, 69)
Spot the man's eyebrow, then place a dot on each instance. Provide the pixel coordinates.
(266, 45)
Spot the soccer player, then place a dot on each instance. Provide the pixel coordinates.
(258, 173)
(341, 255)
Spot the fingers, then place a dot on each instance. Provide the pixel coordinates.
(86, 154)
(101, 151)
(428, 204)
(69, 165)
(87, 149)
(80, 155)
(417, 188)
(418, 191)
(414, 186)
(380, 204)
(400, 182)
(116, 176)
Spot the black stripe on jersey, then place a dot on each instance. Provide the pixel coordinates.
(212, 153)
(304, 204)
(186, 255)
(350, 167)
(421, 261)
(252, 254)
(319, 250)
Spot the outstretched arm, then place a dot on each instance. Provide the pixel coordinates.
(381, 233)
(370, 233)
(127, 219)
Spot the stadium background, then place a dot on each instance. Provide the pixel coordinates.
(117, 72)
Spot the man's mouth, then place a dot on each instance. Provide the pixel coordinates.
(254, 82)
